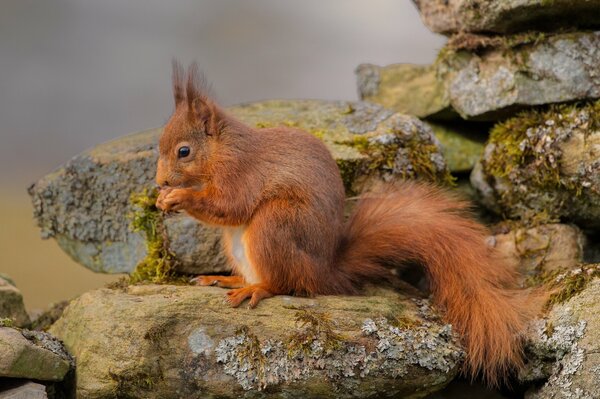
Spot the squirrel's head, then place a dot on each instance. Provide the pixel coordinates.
(190, 135)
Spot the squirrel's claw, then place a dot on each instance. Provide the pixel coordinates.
(255, 292)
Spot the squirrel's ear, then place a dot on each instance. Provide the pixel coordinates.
(178, 83)
(200, 106)
(207, 112)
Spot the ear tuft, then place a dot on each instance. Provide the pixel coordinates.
(178, 76)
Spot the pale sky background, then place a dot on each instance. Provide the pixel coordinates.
(75, 73)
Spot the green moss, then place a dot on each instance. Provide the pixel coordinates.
(6, 322)
(158, 265)
(519, 143)
(475, 42)
(565, 284)
(130, 385)
(382, 157)
(313, 326)
(349, 170)
(250, 353)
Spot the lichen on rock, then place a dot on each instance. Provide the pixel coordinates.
(543, 166)
(150, 340)
(564, 348)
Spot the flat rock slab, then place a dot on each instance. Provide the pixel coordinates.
(505, 16)
(496, 77)
(32, 355)
(544, 166)
(150, 341)
(26, 390)
(488, 78)
(85, 204)
(11, 303)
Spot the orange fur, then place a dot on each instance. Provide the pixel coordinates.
(279, 195)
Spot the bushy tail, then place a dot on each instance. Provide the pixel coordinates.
(420, 223)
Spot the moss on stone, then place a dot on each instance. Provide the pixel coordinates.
(158, 265)
(129, 385)
(314, 326)
(6, 322)
(418, 154)
(526, 150)
(565, 284)
(250, 353)
(465, 41)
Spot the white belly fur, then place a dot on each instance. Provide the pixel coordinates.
(238, 251)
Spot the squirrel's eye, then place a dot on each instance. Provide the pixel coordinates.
(183, 152)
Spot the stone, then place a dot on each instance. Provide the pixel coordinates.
(488, 78)
(11, 304)
(504, 16)
(33, 355)
(86, 204)
(564, 349)
(26, 390)
(405, 88)
(461, 144)
(541, 249)
(153, 340)
(542, 167)
(415, 90)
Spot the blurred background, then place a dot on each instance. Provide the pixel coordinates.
(75, 73)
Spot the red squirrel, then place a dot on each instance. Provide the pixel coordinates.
(278, 195)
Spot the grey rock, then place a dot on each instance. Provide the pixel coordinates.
(85, 204)
(150, 341)
(11, 304)
(565, 349)
(544, 166)
(33, 355)
(519, 72)
(504, 16)
(26, 390)
(405, 88)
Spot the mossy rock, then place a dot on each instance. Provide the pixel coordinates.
(32, 355)
(12, 308)
(564, 348)
(405, 88)
(504, 16)
(488, 78)
(542, 166)
(151, 341)
(461, 144)
(86, 204)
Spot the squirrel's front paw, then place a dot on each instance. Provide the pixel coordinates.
(174, 199)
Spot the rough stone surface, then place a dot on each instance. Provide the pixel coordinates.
(151, 341)
(566, 347)
(85, 203)
(405, 88)
(461, 144)
(543, 248)
(33, 355)
(544, 166)
(502, 16)
(26, 390)
(11, 303)
(488, 83)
